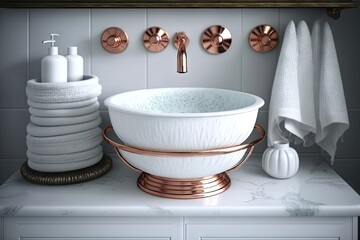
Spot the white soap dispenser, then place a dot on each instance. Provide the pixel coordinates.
(53, 66)
(75, 65)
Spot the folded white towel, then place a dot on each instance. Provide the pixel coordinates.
(64, 138)
(60, 93)
(332, 116)
(41, 131)
(64, 158)
(70, 112)
(303, 127)
(65, 167)
(61, 121)
(67, 147)
(64, 105)
(284, 102)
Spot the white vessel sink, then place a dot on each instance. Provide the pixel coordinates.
(183, 119)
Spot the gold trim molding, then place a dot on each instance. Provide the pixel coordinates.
(333, 7)
(178, 4)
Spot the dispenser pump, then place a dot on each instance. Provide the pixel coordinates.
(53, 66)
(52, 39)
(52, 49)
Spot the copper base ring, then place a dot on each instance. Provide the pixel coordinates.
(71, 177)
(184, 188)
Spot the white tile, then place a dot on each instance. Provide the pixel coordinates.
(348, 146)
(308, 15)
(71, 24)
(348, 169)
(13, 57)
(258, 69)
(122, 71)
(13, 132)
(204, 69)
(348, 50)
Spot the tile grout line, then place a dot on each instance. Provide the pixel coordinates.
(242, 55)
(90, 42)
(28, 44)
(147, 53)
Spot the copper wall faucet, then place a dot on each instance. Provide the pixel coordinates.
(215, 40)
(180, 42)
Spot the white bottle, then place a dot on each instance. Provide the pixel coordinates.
(75, 65)
(53, 66)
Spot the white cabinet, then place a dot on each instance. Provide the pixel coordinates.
(94, 228)
(315, 204)
(303, 228)
(178, 228)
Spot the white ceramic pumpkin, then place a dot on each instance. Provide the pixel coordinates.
(280, 160)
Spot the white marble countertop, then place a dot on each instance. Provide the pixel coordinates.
(316, 190)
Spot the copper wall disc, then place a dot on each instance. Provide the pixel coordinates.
(114, 40)
(216, 39)
(263, 38)
(155, 39)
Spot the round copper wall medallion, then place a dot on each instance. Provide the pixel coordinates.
(155, 39)
(114, 40)
(216, 39)
(263, 38)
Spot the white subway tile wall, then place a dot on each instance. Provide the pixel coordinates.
(240, 68)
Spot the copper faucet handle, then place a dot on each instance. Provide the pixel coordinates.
(263, 38)
(114, 40)
(155, 39)
(181, 36)
(216, 39)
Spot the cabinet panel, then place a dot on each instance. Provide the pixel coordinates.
(269, 229)
(136, 228)
(269, 238)
(1, 228)
(96, 238)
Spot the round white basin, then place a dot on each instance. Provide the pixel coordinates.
(183, 119)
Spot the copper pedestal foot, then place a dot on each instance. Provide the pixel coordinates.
(183, 188)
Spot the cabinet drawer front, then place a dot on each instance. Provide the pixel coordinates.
(108, 228)
(269, 229)
(103, 238)
(269, 238)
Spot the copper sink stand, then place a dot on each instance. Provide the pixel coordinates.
(178, 188)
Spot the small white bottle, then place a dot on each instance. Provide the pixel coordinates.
(75, 65)
(53, 66)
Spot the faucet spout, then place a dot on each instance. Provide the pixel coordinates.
(181, 41)
(182, 57)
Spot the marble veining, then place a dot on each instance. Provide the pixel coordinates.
(330, 181)
(297, 206)
(10, 210)
(316, 190)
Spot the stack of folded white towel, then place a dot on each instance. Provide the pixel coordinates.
(64, 133)
(307, 101)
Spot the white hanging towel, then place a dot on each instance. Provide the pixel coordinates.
(291, 110)
(303, 129)
(331, 111)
